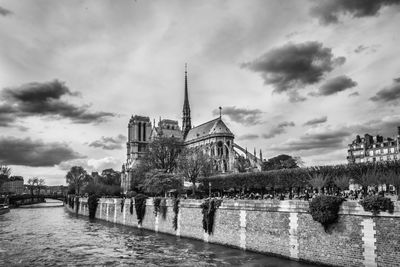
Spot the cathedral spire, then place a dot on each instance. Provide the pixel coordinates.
(186, 120)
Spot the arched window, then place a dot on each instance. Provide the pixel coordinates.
(220, 148)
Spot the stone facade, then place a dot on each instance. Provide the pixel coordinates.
(282, 228)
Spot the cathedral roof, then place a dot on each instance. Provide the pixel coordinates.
(216, 126)
(177, 133)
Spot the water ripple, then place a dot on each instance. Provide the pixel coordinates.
(54, 237)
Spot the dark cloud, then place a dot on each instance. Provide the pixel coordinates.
(279, 129)
(109, 143)
(248, 137)
(44, 99)
(326, 140)
(316, 121)
(293, 66)
(389, 94)
(328, 11)
(335, 85)
(241, 115)
(35, 153)
(4, 12)
(354, 94)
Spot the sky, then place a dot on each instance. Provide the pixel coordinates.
(296, 77)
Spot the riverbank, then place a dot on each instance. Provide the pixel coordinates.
(282, 228)
(19, 201)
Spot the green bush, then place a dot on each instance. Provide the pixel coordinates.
(140, 207)
(209, 206)
(325, 209)
(176, 211)
(92, 203)
(375, 204)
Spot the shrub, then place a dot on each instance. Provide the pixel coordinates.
(156, 203)
(140, 207)
(92, 203)
(325, 209)
(176, 211)
(209, 206)
(375, 204)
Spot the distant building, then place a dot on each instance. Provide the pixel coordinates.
(14, 185)
(54, 190)
(213, 137)
(374, 149)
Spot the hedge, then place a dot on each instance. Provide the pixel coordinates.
(299, 177)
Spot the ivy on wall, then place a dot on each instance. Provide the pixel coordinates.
(209, 206)
(131, 207)
(156, 203)
(176, 211)
(92, 203)
(140, 207)
(163, 208)
(122, 204)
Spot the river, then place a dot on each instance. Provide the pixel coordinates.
(51, 236)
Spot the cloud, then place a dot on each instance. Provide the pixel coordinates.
(279, 129)
(248, 137)
(109, 143)
(241, 115)
(293, 66)
(315, 121)
(4, 12)
(35, 153)
(318, 139)
(44, 99)
(328, 11)
(91, 165)
(385, 126)
(367, 49)
(335, 85)
(389, 94)
(354, 94)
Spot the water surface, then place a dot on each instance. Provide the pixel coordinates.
(54, 237)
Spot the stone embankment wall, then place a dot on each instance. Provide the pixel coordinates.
(283, 228)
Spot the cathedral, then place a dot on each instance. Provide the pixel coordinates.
(213, 137)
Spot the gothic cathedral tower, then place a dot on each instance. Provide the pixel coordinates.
(186, 120)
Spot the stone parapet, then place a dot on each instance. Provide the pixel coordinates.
(282, 228)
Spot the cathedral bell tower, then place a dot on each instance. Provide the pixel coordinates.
(186, 120)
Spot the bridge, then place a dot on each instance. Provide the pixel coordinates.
(254, 160)
(56, 197)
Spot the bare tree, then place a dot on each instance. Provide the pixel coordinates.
(5, 173)
(77, 177)
(32, 184)
(162, 154)
(40, 185)
(192, 163)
